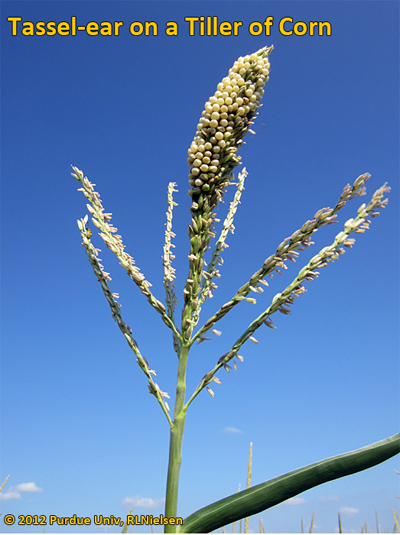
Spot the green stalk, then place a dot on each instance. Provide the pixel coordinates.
(176, 439)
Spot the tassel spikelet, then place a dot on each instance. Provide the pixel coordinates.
(283, 300)
(169, 272)
(289, 249)
(103, 278)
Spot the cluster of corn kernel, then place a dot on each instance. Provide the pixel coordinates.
(227, 116)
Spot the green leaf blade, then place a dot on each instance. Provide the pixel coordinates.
(261, 497)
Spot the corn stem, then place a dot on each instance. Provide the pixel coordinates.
(176, 440)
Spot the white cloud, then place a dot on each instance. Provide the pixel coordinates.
(137, 501)
(28, 487)
(347, 511)
(293, 501)
(9, 495)
(332, 498)
(232, 430)
(13, 493)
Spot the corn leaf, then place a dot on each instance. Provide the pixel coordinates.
(256, 499)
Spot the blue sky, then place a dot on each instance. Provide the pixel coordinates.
(80, 434)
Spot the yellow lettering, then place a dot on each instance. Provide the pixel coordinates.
(133, 30)
(106, 28)
(297, 30)
(210, 26)
(225, 28)
(172, 28)
(327, 26)
(236, 26)
(40, 28)
(73, 25)
(255, 28)
(92, 28)
(66, 28)
(28, 28)
(202, 25)
(136, 28)
(191, 21)
(269, 21)
(303, 28)
(282, 26)
(51, 28)
(14, 21)
(312, 26)
(63, 28)
(117, 26)
(149, 25)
